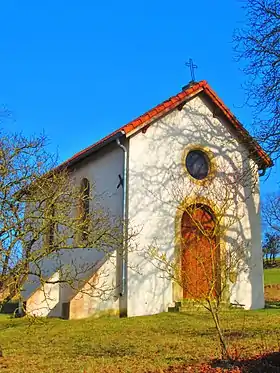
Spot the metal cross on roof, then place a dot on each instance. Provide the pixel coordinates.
(191, 65)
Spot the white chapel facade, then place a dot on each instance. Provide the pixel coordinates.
(189, 151)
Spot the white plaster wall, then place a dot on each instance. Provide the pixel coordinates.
(45, 301)
(158, 183)
(98, 296)
(102, 170)
(249, 288)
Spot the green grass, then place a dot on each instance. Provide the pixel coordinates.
(129, 345)
(272, 276)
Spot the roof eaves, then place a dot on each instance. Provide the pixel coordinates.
(166, 107)
(91, 149)
(263, 159)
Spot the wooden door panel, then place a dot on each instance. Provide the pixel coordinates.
(199, 253)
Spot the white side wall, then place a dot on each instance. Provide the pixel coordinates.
(46, 300)
(99, 295)
(102, 170)
(158, 183)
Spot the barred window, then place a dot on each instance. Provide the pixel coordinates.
(50, 217)
(85, 197)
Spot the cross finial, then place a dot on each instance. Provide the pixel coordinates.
(191, 65)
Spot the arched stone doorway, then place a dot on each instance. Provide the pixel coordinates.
(200, 250)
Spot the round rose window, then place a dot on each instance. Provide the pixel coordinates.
(197, 164)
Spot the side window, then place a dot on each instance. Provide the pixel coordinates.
(85, 198)
(50, 221)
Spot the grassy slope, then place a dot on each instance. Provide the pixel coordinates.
(272, 276)
(128, 345)
(131, 345)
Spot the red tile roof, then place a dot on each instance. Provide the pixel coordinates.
(262, 158)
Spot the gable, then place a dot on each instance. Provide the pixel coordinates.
(178, 101)
(163, 145)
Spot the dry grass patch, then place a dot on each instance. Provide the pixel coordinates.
(130, 345)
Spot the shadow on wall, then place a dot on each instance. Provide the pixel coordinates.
(159, 184)
(53, 296)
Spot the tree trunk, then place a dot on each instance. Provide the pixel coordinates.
(224, 350)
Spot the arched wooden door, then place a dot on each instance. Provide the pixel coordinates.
(200, 253)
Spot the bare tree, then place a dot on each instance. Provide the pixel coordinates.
(271, 212)
(204, 268)
(258, 45)
(271, 247)
(266, 252)
(47, 219)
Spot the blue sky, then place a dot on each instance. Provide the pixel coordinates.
(79, 70)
